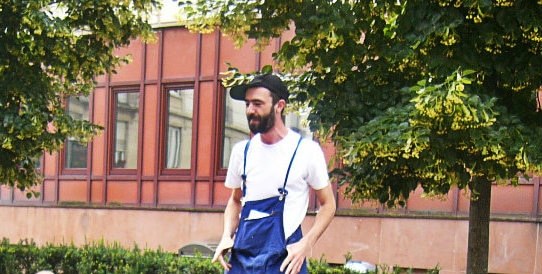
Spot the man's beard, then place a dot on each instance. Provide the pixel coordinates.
(265, 122)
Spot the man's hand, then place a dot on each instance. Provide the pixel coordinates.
(297, 252)
(223, 247)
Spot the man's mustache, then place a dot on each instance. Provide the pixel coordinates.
(253, 116)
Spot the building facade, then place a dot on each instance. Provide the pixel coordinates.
(155, 175)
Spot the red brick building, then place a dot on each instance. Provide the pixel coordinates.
(155, 175)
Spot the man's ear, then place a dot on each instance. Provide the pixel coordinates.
(281, 104)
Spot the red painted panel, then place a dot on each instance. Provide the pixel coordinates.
(244, 58)
(131, 71)
(98, 143)
(123, 192)
(202, 193)
(147, 192)
(266, 56)
(49, 164)
(205, 128)
(152, 59)
(463, 202)
(97, 192)
(289, 34)
(49, 191)
(418, 203)
(221, 194)
(507, 199)
(20, 196)
(179, 53)
(208, 55)
(101, 78)
(149, 130)
(174, 193)
(5, 193)
(346, 203)
(341, 201)
(72, 191)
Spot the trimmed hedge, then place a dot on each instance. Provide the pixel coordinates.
(27, 257)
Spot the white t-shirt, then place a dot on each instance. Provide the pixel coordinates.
(266, 168)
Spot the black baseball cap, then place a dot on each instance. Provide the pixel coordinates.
(268, 81)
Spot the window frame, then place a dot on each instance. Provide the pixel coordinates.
(63, 153)
(113, 128)
(164, 130)
(221, 130)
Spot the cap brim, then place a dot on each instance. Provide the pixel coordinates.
(239, 92)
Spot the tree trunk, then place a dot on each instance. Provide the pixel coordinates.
(479, 213)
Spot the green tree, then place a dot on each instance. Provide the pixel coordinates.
(433, 93)
(50, 50)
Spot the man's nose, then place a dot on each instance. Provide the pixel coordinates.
(250, 108)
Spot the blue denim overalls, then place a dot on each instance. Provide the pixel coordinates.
(260, 244)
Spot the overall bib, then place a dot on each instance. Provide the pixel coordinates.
(260, 244)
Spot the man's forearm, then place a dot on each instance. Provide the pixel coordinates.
(231, 217)
(324, 216)
(323, 219)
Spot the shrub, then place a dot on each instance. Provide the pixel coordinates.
(27, 257)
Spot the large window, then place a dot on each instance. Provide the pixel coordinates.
(126, 129)
(179, 117)
(236, 125)
(75, 153)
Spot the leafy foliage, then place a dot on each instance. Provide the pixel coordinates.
(27, 257)
(50, 50)
(431, 92)
(436, 93)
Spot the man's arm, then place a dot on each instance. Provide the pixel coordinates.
(231, 221)
(298, 251)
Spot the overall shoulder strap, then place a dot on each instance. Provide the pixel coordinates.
(283, 192)
(244, 176)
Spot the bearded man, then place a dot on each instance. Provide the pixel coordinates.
(270, 176)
